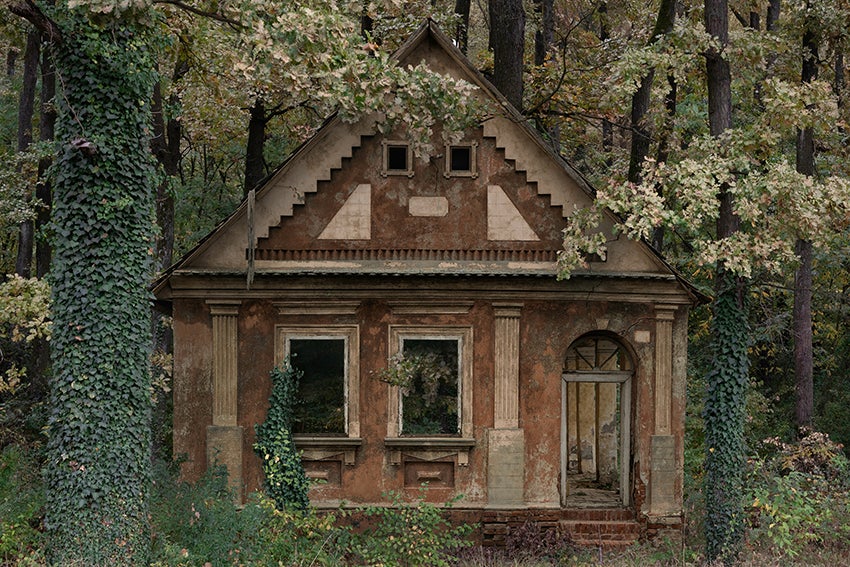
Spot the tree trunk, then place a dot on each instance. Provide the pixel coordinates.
(727, 381)
(641, 98)
(462, 30)
(366, 23)
(40, 366)
(254, 163)
(26, 110)
(11, 61)
(803, 363)
(664, 149)
(640, 106)
(166, 148)
(838, 81)
(507, 39)
(545, 30)
(773, 9)
(43, 190)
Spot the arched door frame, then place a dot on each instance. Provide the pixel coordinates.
(596, 376)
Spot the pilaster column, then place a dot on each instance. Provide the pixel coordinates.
(506, 441)
(664, 315)
(663, 469)
(506, 403)
(224, 436)
(225, 355)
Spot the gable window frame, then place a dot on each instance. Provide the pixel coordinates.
(320, 446)
(451, 171)
(459, 443)
(387, 149)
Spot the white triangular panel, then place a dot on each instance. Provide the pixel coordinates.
(504, 221)
(354, 220)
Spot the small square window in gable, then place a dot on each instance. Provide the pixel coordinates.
(397, 159)
(461, 160)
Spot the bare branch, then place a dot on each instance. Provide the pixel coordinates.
(203, 13)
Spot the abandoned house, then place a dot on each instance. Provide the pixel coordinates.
(557, 401)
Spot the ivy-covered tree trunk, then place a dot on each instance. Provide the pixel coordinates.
(725, 401)
(98, 468)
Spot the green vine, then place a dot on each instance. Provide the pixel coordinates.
(98, 466)
(285, 480)
(724, 414)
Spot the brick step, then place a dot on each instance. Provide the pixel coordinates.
(606, 545)
(604, 528)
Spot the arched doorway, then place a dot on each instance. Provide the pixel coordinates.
(596, 395)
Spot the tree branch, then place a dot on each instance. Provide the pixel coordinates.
(28, 10)
(203, 13)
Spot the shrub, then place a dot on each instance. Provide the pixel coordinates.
(800, 495)
(295, 538)
(21, 505)
(409, 534)
(195, 524)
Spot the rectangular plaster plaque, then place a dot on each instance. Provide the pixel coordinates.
(428, 206)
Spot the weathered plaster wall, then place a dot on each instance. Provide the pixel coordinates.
(547, 329)
(193, 397)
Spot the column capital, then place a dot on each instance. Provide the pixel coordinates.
(665, 311)
(224, 307)
(507, 309)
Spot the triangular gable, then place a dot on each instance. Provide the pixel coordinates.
(344, 234)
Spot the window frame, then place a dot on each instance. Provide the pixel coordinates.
(351, 380)
(472, 172)
(385, 159)
(464, 336)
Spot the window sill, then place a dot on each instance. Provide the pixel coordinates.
(318, 448)
(429, 448)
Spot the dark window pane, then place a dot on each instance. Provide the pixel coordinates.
(430, 405)
(397, 158)
(461, 158)
(320, 409)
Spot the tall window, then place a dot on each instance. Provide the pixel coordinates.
(329, 386)
(433, 396)
(321, 391)
(430, 401)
